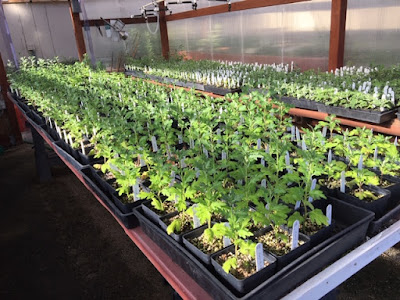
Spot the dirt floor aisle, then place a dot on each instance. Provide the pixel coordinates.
(58, 242)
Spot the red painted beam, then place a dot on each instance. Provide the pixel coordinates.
(164, 32)
(224, 8)
(337, 34)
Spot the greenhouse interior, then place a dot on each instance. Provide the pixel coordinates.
(200, 149)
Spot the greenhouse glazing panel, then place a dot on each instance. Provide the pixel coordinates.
(372, 32)
(139, 43)
(298, 32)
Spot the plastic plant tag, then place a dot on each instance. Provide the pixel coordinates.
(205, 151)
(330, 156)
(297, 205)
(395, 141)
(343, 182)
(180, 139)
(297, 134)
(259, 256)
(324, 130)
(303, 145)
(360, 162)
(258, 144)
(197, 172)
(70, 139)
(120, 97)
(267, 149)
(240, 182)
(154, 143)
(196, 220)
(293, 133)
(183, 164)
(191, 143)
(225, 240)
(287, 159)
(65, 136)
(223, 155)
(313, 185)
(375, 156)
(172, 179)
(295, 234)
(263, 161)
(264, 183)
(136, 190)
(83, 148)
(329, 213)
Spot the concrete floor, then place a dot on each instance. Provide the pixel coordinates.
(58, 242)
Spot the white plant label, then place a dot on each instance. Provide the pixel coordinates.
(303, 145)
(263, 161)
(196, 220)
(65, 136)
(183, 164)
(205, 151)
(343, 182)
(70, 139)
(395, 141)
(297, 206)
(297, 134)
(360, 162)
(197, 172)
(313, 185)
(240, 182)
(259, 256)
(258, 144)
(120, 97)
(191, 142)
(330, 156)
(154, 143)
(172, 179)
(225, 240)
(267, 149)
(264, 183)
(293, 132)
(136, 190)
(223, 155)
(287, 159)
(329, 213)
(180, 139)
(83, 148)
(295, 234)
(324, 131)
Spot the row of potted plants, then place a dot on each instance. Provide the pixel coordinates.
(234, 168)
(365, 88)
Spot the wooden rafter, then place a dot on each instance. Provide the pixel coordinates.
(126, 21)
(224, 8)
(164, 32)
(338, 33)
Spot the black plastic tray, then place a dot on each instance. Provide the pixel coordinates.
(351, 228)
(62, 150)
(300, 103)
(359, 114)
(219, 90)
(88, 173)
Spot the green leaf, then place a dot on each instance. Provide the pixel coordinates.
(229, 264)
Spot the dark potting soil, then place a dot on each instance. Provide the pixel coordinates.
(187, 222)
(206, 246)
(169, 207)
(309, 228)
(246, 265)
(59, 242)
(278, 244)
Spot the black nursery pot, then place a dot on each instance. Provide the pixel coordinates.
(378, 206)
(176, 237)
(249, 283)
(149, 213)
(125, 208)
(205, 258)
(284, 260)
